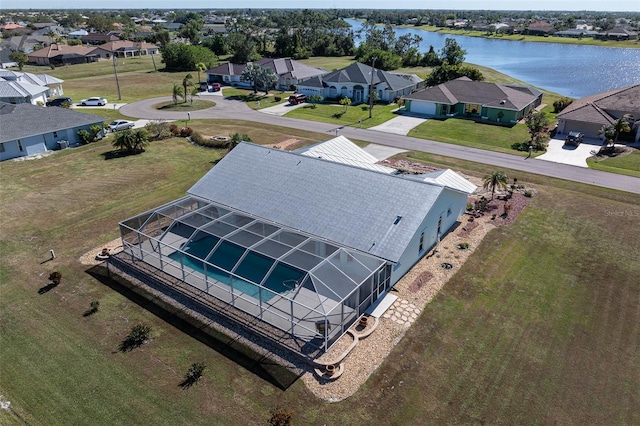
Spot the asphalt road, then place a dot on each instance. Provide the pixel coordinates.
(237, 110)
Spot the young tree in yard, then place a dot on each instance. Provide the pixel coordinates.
(251, 74)
(608, 133)
(125, 142)
(267, 79)
(494, 180)
(345, 102)
(537, 123)
(186, 83)
(140, 140)
(621, 125)
(194, 92)
(177, 93)
(19, 57)
(314, 99)
(55, 277)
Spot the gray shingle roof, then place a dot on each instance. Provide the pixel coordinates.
(24, 120)
(361, 74)
(348, 205)
(285, 67)
(596, 108)
(477, 92)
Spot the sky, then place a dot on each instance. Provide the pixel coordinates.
(570, 5)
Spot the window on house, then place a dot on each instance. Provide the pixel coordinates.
(472, 108)
(439, 225)
(421, 245)
(449, 212)
(55, 134)
(20, 147)
(1, 147)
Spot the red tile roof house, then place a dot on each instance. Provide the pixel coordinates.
(589, 114)
(289, 72)
(477, 100)
(542, 28)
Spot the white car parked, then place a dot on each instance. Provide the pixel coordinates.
(114, 126)
(93, 102)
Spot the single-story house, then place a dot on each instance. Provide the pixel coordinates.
(19, 92)
(61, 54)
(589, 114)
(53, 84)
(463, 97)
(617, 34)
(26, 43)
(303, 244)
(355, 82)
(125, 49)
(290, 72)
(28, 129)
(77, 35)
(5, 60)
(576, 33)
(100, 38)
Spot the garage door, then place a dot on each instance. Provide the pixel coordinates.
(426, 108)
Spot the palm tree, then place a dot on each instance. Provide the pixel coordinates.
(608, 133)
(495, 179)
(177, 93)
(186, 82)
(125, 141)
(620, 125)
(140, 140)
(194, 92)
(235, 139)
(200, 66)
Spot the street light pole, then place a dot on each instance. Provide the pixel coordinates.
(115, 71)
(373, 70)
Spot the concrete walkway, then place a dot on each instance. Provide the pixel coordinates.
(236, 110)
(280, 109)
(400, 125)
(382, 152)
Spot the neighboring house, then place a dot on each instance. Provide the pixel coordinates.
(463, 97)
(100, 38)
(356, 82)
(125, 49)
(52, 84)
(5, 60)
(300, 247)
(540, 28)
(589, 114)
(77, 35)
(617, 34)
(26, 43)
(20, 92)
(576, 33)
(289, 72)
(61, 54)
(171, 26)
(28, 129)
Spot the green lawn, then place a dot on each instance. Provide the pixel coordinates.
(469, 133)
(628, 164)
(326, 113)
(544, 310)
(195, 105)
(258, 100)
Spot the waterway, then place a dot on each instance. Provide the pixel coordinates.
(568, 69)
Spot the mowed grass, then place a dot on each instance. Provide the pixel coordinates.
(628, 164)
(355, 115)
(541, 325)
(470, 133)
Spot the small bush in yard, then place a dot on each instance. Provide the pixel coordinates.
(280, 417)
(174, 129)
(186, 131)
(528, 193)
(277, 98)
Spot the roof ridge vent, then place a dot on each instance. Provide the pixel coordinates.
(398, 219)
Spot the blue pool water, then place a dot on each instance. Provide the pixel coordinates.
(254, 267)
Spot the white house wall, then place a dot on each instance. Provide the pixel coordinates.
(450, 205)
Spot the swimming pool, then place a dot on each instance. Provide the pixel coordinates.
(254, 267)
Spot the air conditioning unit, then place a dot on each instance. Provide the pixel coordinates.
(63, 144)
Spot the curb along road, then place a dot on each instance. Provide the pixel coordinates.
(229, 109)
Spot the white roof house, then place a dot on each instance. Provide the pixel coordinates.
(298, 238)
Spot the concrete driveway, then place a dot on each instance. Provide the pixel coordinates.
(382, 152)
(400, 125)
(558, 152)
(280, 109)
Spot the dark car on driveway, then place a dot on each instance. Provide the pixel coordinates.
(59, 102)
(574, 138)
(297, 98)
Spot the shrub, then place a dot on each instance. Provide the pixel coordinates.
(159, 130)
(561, 104)
(469, 206)
(138, 334)
(280, 417)
(55, 277)
(93, 308)
(528, 193)
(96, 129)
(85, 136)
(195, 372)
(174, 129)
(338, 114)
(277, 98)
(463, 246)
(186, 131)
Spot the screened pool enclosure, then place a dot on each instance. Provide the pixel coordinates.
(308, 287)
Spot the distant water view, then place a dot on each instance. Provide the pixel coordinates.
(567, 69)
